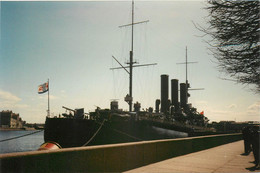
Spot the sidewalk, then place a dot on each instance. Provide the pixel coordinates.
(225, 158)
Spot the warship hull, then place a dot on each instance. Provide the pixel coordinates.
(82, 132)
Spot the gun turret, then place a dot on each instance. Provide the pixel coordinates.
(78, 113)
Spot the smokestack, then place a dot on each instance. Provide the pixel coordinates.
(114, 105)
(174, 93)
(157, 104)
(183, 95)
(164, 93)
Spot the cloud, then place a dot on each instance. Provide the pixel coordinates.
(202, 102)
(63, 94)
(8, 97)
(10, 101)
(232, 106)
(220, 112)
(254, 109)
(254, 106)
(52, 97)
(20, 106)
(232, 111)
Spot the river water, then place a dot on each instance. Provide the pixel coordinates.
(27, 143)
(33, 141)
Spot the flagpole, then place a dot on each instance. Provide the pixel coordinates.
(48, 98)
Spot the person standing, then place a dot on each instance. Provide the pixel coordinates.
(247, 139)
(255, 144)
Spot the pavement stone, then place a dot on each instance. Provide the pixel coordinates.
(224, 158)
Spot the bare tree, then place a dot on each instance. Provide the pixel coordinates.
(234, 29)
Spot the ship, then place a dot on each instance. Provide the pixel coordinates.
(170, 119)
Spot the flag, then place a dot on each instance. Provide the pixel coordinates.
(43, 88)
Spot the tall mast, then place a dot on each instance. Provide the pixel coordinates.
(132, 47)
(186, 62)
(129, 97)
(186, 66)
(131, 63)
(186, 74)
(48, 99)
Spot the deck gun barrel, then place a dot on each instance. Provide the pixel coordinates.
(68, 109)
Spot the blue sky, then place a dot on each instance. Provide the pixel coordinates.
(72, 43)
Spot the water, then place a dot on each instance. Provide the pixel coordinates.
(34, 141)
(26, 143)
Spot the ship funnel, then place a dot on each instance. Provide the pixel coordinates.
(174, 93)
(137, 107)
(164, 93)
(183, 95)
(157, 104)
(114, 105)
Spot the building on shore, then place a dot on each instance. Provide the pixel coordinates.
(232, 126)
(8, 119)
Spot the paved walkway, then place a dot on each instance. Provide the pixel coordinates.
(225, 158)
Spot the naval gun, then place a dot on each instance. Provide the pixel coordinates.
(78, 113)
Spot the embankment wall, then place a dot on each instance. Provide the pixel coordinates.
(109, 158)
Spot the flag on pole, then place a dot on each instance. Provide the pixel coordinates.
(43, 88)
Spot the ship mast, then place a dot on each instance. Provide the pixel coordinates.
(186, 69)
(129, 97)
(131, 63)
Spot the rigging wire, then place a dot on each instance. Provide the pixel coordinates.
(101, 125)
(118, 131)
(144, 75)
(20, 136)
(159, 34)
(140, 53)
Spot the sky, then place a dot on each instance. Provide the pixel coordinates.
(72, 44)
